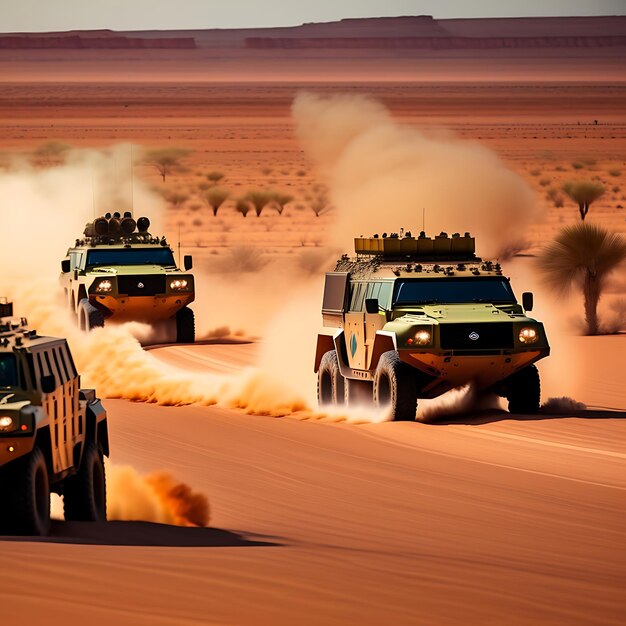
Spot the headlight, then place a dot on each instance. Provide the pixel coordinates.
(421, 338)
(528, 335)
(6, 424)
(179, 284)
(104, 286)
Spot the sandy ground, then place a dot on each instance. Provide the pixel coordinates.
(481, 519)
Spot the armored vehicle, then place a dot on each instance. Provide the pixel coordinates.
(119, 271)
(413, 317)
(53, 435)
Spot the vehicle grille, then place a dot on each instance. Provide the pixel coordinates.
(152, 285)
(491, 336)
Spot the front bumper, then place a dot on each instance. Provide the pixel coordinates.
(449, 371)
(141, 308)
(13, 447)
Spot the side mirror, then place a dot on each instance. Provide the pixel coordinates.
(188, 262)
(527, 300)
(65, 266)
(371, 305)
(48, 383)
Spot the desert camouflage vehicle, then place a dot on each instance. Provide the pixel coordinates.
(53, 435)
(411, 318)
(119, 271)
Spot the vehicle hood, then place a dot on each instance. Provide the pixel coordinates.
(470, 313)
(131, 270)
(11, 402)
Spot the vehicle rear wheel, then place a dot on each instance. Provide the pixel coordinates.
(358, 392)
(523, 390)
(185, 326)
(330, 382)
(25, 497)
(88, 316)
(84, 493)
(395, 386)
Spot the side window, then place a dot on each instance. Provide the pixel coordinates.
(75, 260)
(64, 365)
(62, 374)
(357, 296)
(53, 370)
(31, 369)
(384, 295)
(372, 291)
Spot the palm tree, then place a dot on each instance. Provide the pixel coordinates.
(583, 255)
(584, 193)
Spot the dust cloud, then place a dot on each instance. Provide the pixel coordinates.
(382, 174)
(156, 497)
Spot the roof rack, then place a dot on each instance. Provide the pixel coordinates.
(406, 247)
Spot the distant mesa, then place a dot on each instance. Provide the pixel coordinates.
(80, 42)
(434, 43)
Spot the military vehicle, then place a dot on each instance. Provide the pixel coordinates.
(413, 317)
(119, 271)
(53, 435)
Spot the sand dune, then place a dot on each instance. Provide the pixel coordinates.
(477, 519)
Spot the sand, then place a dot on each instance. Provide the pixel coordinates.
(485, 518)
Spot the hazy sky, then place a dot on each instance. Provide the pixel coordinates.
(41, 15)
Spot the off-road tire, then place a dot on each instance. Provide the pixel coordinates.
(358, 392)
(395, 386)
(88, 316)
(25, 496)
(523, 390)
(330, 382)
(84, 493)
(185, 326)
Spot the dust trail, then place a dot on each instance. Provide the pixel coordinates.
(457, 402)
(382, 174)
(562, 406)
(156, 497)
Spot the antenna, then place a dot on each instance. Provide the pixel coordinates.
(178, 244)
(423, 219)
(93, 193)
(132, 180)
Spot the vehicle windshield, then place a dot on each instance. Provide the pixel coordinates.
(453, 291)
(8, 370)
(130, 256)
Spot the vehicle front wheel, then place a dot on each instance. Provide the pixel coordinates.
(25, 499)
(330, 382)
(84, 493)
(88, 316)
(523, 390)
(395, 386)
(185, 326)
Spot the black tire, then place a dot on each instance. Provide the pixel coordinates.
(88, 316)
(330, 382)
(395, 385)
(185, 326)
(523, 390)
(358, 392)
(84, 493)
(25, 507)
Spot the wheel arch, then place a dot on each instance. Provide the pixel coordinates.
(384, 341)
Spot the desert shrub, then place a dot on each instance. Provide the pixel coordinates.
(577, 166)
(280, 201)
(583, 193)
(214, 177)
(215, 198)
(242, 206)
(301, 173)
(615, 189)
(259, 199)
(176, 198)
(197, 222)
(166, 160)
(535, 172)
(266, 171)
(559, 168)
(544, 182)
(614, 172)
